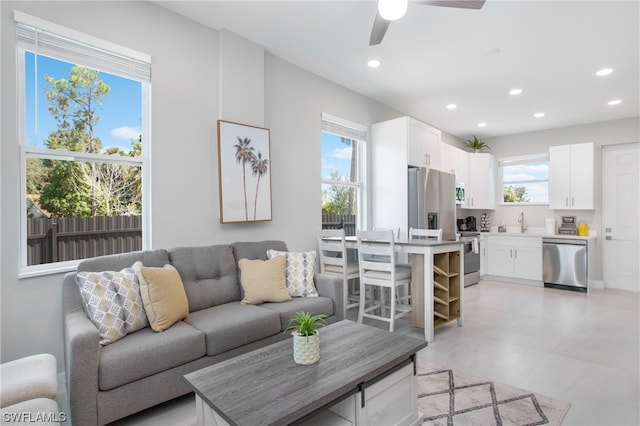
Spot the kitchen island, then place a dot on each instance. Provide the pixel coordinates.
(422, 253)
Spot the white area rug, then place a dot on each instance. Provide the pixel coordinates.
(449, 398)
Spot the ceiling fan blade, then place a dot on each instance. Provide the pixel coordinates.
(461, 4)
(379, 29)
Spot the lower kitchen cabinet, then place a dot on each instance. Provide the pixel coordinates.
(515, 257)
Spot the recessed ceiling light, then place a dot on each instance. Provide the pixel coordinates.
(373, 63)
(538, 114)
(482, 124)
(614, 102)
(605, 71)
(515, 91)
(452, 106)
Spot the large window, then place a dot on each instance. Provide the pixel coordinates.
(84, 118)
(343, 153)
(525, 180)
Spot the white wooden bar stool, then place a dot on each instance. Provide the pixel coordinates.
(334, 260)
(425, 233)
(382, 273)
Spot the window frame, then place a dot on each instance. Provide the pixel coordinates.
(356, 132)
(524, 159)
(30, 151)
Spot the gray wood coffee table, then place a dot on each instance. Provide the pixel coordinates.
(364, 376)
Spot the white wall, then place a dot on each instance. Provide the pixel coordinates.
(184, 153)
(601, 134)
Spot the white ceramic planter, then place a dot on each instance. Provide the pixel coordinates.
(306, 349)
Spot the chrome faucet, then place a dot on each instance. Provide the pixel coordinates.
(521, 220)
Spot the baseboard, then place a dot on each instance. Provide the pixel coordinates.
(509, 280)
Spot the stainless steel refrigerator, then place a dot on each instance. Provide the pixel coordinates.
(432, 201)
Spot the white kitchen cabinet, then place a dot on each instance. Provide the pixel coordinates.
(454, 160)
(480, 188)
(462, 166)
(448, 158)
(515, 257)
(423, 144)
(571, 177)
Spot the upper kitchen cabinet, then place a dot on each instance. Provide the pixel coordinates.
(454, 160)
(480, 187)
(423, 143)
(571, 177)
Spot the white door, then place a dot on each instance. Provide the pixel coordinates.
(620, 214)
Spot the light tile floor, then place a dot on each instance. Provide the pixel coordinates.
(581, 348)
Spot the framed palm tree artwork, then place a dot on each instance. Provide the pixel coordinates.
(244, 173)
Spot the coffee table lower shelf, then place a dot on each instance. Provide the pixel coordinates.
(392, 400)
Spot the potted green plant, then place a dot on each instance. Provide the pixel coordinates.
(476, 145)
(306, 340)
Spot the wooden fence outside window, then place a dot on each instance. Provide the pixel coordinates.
(61, 239)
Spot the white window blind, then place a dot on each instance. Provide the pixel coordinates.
(341, 127)
(48, 39)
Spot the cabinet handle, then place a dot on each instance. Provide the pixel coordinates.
(516, 253)
(510, 253)
(566, 201)
(573, 203)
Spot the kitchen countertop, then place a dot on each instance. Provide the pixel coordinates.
(536, 233)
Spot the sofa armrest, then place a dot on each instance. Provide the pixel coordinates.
(81, 355)
(331, 286)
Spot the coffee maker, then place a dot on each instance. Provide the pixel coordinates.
(467, 224)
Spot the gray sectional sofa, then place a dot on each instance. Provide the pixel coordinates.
(145, 368)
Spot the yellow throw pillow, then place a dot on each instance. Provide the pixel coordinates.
(263, 280)
(163, 295)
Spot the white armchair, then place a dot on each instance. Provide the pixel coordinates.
(28, 391)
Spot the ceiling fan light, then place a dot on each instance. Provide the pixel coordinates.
(392, 9)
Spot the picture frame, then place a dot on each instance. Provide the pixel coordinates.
(244, 172)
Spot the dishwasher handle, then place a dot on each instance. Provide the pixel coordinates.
(564, 241)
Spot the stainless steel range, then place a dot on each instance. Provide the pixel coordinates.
(471, 243)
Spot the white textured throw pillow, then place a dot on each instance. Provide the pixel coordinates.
(112, 302)
(299, 270)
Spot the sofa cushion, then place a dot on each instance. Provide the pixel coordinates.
(116, 262)
(112, 302)
(315, 305)
(233, 325)
(299, 271)
(209, 275)
(145, 352)
(263, 281)
(163, 294)
(256, 250)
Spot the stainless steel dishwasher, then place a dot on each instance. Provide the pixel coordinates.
(565, 263)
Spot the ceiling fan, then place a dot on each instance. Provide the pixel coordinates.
(390, 10)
